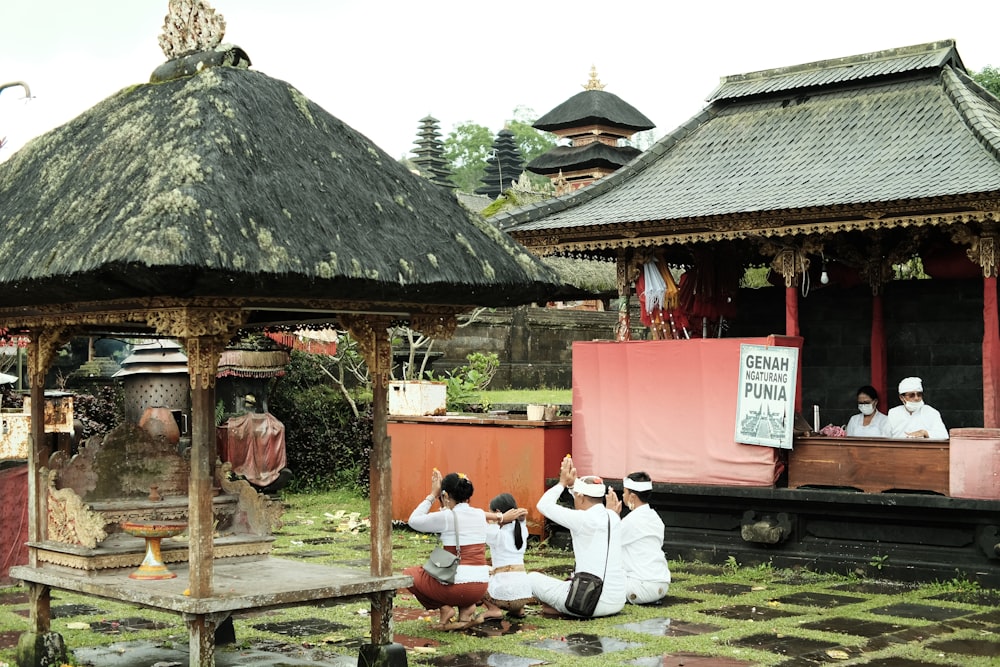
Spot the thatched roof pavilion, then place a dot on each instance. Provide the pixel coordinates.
(218, 199)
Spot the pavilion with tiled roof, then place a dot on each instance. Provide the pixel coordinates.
(862, 163)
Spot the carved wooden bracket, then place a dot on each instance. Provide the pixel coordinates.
(43, 347)
(435, 325)
(191, 322)
(371, 333)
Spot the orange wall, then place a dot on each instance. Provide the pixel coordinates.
(498, 456)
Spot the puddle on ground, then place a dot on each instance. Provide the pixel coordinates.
(663, 627)
(300, 627)
(411, 642)
(69, 610)
(484, 658)
(131, 624)
(688, 660)
(876, 587)
(853, 626)
(977, 647)
(825, 600)
(8, 638)
(829, 655)
(584, 645)
(722, 589)
(922, 611)
(783, 645)
(750, 613)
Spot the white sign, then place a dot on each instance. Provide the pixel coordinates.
(765, 404)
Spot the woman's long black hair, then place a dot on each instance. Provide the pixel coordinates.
(505, 502)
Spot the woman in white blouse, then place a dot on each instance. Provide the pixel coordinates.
(869, 422)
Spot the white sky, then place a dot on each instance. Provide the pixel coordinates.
(380, 66)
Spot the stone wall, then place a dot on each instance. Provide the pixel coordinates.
(534, 344)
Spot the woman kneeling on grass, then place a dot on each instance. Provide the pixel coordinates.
(473, 573)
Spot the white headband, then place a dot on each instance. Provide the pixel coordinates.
(633, 485)
(593, 489)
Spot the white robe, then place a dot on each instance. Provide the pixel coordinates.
(511, 585)
(902, 421)
(589, 530)
(647, 575)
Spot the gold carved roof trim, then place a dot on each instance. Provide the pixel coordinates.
(554, 241)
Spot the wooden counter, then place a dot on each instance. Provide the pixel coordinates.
(873, 465)
(499, 453)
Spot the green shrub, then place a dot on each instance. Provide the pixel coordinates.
(326, 446)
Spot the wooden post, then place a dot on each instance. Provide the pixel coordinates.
(789, 262)
(624, 268)
(203, 361)
(380, 479)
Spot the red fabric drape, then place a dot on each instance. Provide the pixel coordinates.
(791, 311)
(255, 444)
(879, 361)
(991, 355)
(13, 519)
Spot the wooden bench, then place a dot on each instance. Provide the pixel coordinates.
(872, 465)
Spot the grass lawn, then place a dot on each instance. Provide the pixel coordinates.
(712, 608)
(525, 396)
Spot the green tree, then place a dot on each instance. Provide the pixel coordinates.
(989, 78)
(468, 144)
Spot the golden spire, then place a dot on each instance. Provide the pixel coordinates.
(594, 83)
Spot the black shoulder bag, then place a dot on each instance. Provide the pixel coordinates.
(585, 588)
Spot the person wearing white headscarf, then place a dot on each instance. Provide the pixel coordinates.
(595, 549)
(647, 575)
(915, 419)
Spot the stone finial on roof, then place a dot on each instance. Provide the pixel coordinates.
(190, 26)
(594, 83)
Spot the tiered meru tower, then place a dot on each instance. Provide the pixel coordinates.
(430, 153)
(504, 165)
(596, 123)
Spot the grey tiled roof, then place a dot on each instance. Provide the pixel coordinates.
(933, 133)
(827, 72)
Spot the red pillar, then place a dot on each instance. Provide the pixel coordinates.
(991, 355)
(791, 311)
(879, 362)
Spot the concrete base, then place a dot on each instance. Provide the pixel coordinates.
(41, 650)
(385, 655)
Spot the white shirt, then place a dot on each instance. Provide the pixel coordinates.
(902, 421)
(513, 585)
(642, 546)
(471, 530)
(879, 428)
(589, 530)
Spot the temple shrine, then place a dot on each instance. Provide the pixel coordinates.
(597, 124)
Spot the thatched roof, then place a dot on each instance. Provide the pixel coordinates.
(231, 183)
(594, 107)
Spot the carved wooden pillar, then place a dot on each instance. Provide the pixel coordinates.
(626, 273)
(984, 252)
(204, 333)
(790, 262)
(372, 336)
(41, 350)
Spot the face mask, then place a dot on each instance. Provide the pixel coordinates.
(913, 406)
(866, 408)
